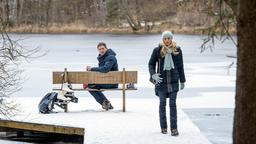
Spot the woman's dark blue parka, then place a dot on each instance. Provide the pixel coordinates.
(177, 74)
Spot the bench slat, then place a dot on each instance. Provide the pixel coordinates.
(79, 77)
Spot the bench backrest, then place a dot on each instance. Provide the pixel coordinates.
(80, 77)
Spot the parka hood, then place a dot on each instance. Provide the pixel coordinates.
(109, 52)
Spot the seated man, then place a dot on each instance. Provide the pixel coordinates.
(107, 62)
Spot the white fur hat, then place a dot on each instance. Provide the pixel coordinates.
(167, 34)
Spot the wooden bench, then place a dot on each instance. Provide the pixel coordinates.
(91, 77)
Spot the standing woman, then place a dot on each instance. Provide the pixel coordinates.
(167, 60)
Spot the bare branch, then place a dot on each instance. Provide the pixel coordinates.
(11, 54)
(225, 18)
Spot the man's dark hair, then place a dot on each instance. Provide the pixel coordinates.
(102, 44)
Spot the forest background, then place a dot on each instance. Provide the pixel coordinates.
(113, 16)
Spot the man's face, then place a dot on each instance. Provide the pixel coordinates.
(167, 41)
(102, 50)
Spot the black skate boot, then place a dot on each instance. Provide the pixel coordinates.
(174, 132)
(107, 105)
(164, 131)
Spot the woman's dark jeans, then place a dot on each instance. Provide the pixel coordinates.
(162, 109)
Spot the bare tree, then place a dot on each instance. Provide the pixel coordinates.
(19, 9)
(219, 17)
(5, 11)
(132, 20)
(141, 14)
(48, 6)
(194, 13)
(11, 54)
(225, 19)
(153, 11)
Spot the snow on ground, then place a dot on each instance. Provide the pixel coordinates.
(138, 125)
(9, 142)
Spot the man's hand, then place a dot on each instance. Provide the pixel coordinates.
(156, 77)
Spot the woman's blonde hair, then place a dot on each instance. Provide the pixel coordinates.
(165, 49)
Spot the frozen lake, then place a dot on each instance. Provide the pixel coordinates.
(133, 51)
(216, 123)
(208, 83)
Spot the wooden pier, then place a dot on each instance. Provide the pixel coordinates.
(20, 128)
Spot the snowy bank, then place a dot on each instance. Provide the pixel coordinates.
(138, 125)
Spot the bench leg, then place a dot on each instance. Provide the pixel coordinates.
(65, 108)
(123, 78)
(123, 100)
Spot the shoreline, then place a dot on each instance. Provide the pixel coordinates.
(74, 29)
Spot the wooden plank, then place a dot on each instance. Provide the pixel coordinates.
(131, 77)
(80, 77)
(41, 127)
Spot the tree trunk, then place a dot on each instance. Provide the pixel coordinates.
(7, 7)
(19, 11)
(128, 15)
(245, 111)
(89, 7)
(132, 22)
(48, 6)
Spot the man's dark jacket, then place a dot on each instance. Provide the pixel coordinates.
(107, 62)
